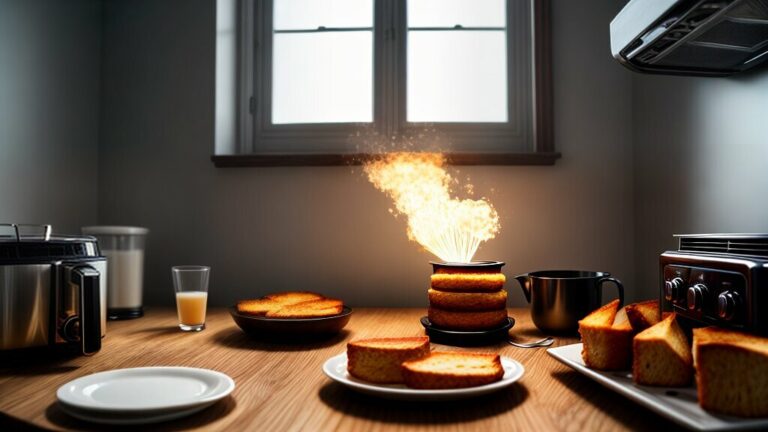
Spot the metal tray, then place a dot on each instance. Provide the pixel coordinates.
(677, 404)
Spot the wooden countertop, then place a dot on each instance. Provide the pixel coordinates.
(282, 387)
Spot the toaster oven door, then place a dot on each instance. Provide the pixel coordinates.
(25, 305)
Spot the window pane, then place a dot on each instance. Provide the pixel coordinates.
(448, 13)
(322, 77)
(311, 14)
(457, 76)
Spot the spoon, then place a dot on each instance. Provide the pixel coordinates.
(547, 341)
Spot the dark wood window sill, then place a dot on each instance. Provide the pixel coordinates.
(267, 160)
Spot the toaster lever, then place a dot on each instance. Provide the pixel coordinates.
(87, 280)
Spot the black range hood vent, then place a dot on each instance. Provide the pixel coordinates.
(691, 37)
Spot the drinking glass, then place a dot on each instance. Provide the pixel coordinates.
(191, 285)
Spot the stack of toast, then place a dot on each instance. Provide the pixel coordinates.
(731, 368)
(291, 305)
(467, 301)
(409, 361)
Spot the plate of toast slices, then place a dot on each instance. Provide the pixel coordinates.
(406, 369)
(291, 314)
(716, 381)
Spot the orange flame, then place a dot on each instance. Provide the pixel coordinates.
(418, 183)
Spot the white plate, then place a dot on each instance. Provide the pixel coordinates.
(143, 394)
(677, 404)
(336, 369)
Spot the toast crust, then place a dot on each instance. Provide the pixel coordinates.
(273, 302)
(473, 320)
(661, 355)
(468, 282)
(607, 343)
(731, 372)
(309, 309)
(444, 370)
(644, 314)
(379, 360)
(467, 301)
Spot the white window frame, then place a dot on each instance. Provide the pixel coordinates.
(525, 138)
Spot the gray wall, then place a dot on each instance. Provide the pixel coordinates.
(326, 228)
(701, 153)
(49, 101)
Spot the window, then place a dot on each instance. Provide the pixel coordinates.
(312, 73)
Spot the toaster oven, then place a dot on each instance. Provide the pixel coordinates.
(718, 279)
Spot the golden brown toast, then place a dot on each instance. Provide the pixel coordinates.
(380, 360)
(309, 309)
(607, 338)
(478, 301)
(468, 282)
(471, 320)
(731, 371)
(643, 314)
(274, 302)
(661, 355)
(443, 370)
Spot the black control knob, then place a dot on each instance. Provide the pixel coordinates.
(727, 305)
(70, 329)
(697, 296)
(672, 289)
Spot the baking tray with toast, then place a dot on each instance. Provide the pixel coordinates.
(678, 404)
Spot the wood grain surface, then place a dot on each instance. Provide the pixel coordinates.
(281, 387)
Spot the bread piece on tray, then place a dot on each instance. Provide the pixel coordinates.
(661, 355)
(731, 371)
(467, 321)
(274, 302)
(380, 360)
(476, 301)
(445, 370)
(607, 337)
(468, 282)
(643, 314)
(309, 309)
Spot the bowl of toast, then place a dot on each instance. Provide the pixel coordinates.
(294, 314)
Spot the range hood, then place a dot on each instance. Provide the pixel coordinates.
(691, 37)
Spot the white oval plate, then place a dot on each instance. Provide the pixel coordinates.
(336, 369)
(149, 391)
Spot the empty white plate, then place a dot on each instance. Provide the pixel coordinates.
(143, 395)
(336, 369)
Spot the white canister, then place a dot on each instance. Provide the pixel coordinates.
(124, 248)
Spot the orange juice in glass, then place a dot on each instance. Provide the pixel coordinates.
(191, 285)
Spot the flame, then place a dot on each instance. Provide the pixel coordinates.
(419, 185)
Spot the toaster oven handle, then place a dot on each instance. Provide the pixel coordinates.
(87, 280)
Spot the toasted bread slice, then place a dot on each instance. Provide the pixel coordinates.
(309, 309)
(661, 355)
(479, 301)
(468, 282)
(731, 371)
(607, 338)
(644, 314)
(273, 302)
(380, 360)
(444, 370)
(472, 320)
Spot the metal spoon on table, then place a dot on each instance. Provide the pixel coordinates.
(547, 341)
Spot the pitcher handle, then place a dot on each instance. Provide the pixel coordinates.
(618, 284)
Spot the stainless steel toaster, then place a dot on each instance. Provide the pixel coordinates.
(52, 290)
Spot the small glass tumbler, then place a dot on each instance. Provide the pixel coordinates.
(191, 285)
